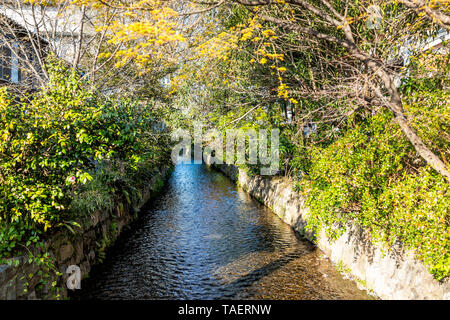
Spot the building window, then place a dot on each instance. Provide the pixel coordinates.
(9, 64)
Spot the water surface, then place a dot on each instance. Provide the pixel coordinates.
(204, 238)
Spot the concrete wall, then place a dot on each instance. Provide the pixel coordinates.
(390, 275)
(84, 248)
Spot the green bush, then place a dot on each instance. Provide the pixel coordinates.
(53, 143)
(372, 175)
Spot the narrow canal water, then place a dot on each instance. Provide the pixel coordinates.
(204, 238)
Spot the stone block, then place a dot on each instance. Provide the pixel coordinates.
(3, 273)
(3, 292)
(21, 286)
(65, 252)
(32, 296)
(11, 290)
(78, 251)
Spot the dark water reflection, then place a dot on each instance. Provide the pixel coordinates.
(204, 238)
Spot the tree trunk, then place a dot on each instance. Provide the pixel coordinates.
(396, 106)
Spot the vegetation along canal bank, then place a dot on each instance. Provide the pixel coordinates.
(76, 169)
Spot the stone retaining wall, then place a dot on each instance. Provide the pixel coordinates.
(84, 248)
(390, 275)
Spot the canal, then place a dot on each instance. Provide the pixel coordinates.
(204, 238)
